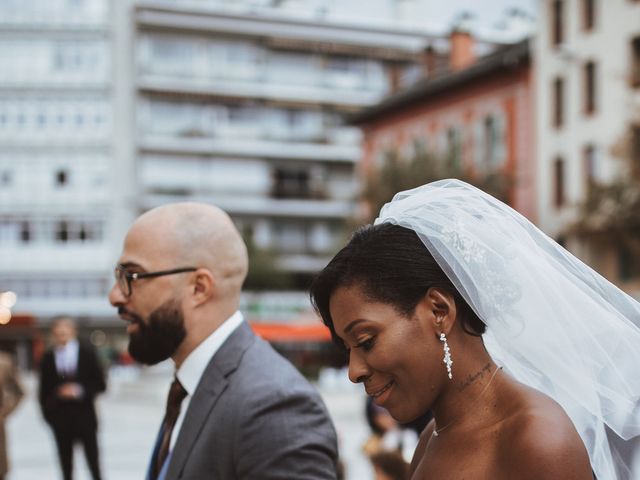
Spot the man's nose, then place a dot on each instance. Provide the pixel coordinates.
(116, 297)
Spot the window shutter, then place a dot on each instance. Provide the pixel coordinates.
(478, 144)
(500, 140)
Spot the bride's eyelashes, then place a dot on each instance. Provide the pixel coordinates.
(366, 344)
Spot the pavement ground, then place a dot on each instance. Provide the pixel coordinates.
(130, 413)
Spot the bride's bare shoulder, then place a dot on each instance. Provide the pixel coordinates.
(539, 441)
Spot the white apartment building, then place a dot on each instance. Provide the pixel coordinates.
(56, 122)
(110, 108)
(587, 68)
(246, 111)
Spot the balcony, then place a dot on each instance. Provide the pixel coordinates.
(326, 94)
(284, 31)
(54, 258)
(81, 306)
(302, 263)
(259, 206)
(54, 15)
(253, 148)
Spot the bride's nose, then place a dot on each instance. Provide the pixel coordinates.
(358, 369)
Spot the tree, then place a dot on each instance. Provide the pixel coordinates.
(264, 273)
(610, 213)
(397, 173)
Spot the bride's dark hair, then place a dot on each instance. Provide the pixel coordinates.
(391, 265)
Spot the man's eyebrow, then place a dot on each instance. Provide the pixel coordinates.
(129, 265)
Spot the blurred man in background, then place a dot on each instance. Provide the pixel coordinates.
(70, 378)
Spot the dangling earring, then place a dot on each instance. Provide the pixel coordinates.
(447, 355)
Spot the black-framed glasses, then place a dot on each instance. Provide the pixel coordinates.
(124, 277)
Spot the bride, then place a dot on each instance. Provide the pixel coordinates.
(527, 358)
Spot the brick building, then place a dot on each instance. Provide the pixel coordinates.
(477, 111)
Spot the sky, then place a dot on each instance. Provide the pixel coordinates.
(489, 17)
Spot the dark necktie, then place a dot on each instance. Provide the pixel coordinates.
(174, 400)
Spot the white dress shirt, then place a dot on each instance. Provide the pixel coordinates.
(194, 365)
(66, 358)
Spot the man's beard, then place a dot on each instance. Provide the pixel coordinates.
(159, 338)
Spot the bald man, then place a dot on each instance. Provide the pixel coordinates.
(236, 409)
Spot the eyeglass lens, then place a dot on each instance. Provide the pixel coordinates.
(123, 281)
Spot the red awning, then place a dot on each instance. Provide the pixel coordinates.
(281, 332)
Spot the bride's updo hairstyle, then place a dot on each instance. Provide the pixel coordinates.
(391, 265)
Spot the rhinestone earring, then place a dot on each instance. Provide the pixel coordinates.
(447, 355)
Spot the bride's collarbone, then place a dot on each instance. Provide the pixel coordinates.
(460, 453)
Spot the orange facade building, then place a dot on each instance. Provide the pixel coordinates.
(478, 109)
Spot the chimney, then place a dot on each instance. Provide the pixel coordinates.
(429, 61)
(395, 77)
(461, 53)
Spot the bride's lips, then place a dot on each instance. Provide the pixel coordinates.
(377, 393)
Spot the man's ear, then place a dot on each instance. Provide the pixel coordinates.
(442, 308)
(203, 286)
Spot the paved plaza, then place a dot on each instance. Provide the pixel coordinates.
(130, 413)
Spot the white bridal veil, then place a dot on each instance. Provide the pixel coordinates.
(552, 322)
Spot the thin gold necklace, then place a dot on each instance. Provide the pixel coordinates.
(437, 431)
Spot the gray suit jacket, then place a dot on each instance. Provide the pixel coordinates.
(253, 416)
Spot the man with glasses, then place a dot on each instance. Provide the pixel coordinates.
(236, 409)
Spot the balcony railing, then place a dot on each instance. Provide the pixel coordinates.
(254, 148)
(260, 206)
(322, 94)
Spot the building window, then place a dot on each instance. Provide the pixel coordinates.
(291, 183)
(290, 237)
(635, 62)
(635, 146)
(6, 178)
(454, 148)
(558, 183)
(588, 14)
(62, 232)
(62, 178)
(557, 22)
(590, 167)
(25, 232)
(628, 264)
(83, 234)
(558, 102)
(88, 231)
(489, 128)
(590, 88)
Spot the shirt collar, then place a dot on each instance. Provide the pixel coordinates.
(194, 365)
(70, 346)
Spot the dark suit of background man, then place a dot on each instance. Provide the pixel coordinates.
(237, 410)
(70, 379)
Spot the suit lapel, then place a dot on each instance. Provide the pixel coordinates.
(214, 381)
(154, 453)
(80, 362)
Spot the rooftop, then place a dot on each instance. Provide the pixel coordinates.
(503, 59)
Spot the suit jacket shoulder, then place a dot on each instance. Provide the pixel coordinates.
(259, 414)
